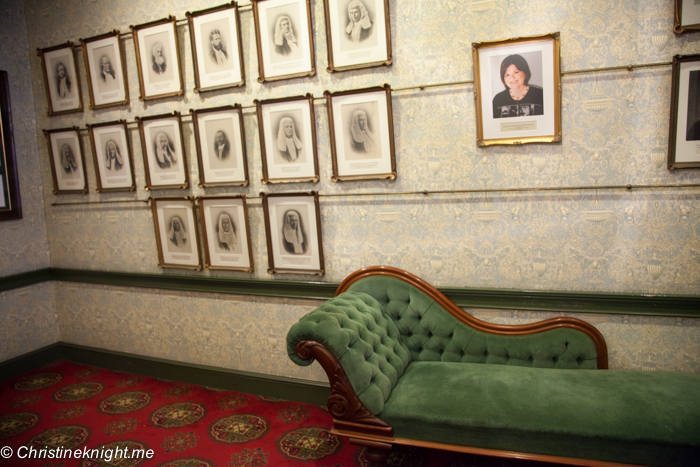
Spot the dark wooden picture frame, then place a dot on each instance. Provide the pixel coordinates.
(176, 234)
(74, 167)
(234, 209)
(369, 31)
(148, 145)
(148, 67)
(51, 59)
(266, 38)
(112, 155)
(10, 200)
(228, 13)
(678, 26)
(290, 205)
(234, 144)
(684, 123)
(100, 85)
(351, 144)
(298, 109)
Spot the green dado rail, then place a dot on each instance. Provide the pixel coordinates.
(408, 367)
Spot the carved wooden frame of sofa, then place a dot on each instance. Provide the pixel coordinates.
(391, 345)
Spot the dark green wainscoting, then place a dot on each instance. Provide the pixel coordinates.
(540, 300)
(242, 381)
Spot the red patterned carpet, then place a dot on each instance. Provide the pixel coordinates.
(66, 406)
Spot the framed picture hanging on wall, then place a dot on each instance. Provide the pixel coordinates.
(163, 148)
(517, 90)
(358, 34)
(284, 38)
(215, 34)
(111, 154)
(67, 161)
(684, 128)
(226, 233)
(686, 16)
(176, 233)
(287, 129)
(106, 69)
(221, 151)
(10, 201)
(293, 230)
(61, 79)
(362, 134)
(158, 59)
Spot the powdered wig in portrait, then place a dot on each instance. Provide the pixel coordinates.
(68, 161)
(281, 34)
(176, 231)
(288, 146)
(354, 29)
(361, 133)
(113, 156)
(293, 234)
(227, 232)
(165, 151)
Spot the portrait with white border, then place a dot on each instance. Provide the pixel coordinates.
(111, 154)
(158, 59)
(226, 232)
(287, 128)
(61, 79)
(176, 233)
(163, 149)
(67, 161)
(293, 231)
(517, 90)
(284, 39)
(107, 80)
(684, 127)
(686, 16)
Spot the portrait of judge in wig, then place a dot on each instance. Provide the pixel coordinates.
(359, 26)
(63, 84)
(177, 235)
(113, 157)
(226, 232)
(217, 49)
(363, 141)
(288, 143)
(285, 40)
(68, 162)
(164, 151)
(157, 59)
(293, 235)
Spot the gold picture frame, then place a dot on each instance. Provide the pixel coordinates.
(105, 64)
(67, 170)
(112, 156)
(226, 233)
(528, 110)
(688, 20)
(177, 238)
(684, 123)
(63, 92)
(164, 154)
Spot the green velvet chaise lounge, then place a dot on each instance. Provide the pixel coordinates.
(408, 367)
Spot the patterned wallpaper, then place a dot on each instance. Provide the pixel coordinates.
(615, 127)
(24, 245)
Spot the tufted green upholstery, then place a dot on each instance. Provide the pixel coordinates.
(365, 342)
(381, 324)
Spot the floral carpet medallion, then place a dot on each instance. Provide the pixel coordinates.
(177, 415)
(121, 426)
(179, 390)
(24, 401)
(122, 454)
(87, 373)
(130, 381)
(237, 429)
(17, 423)
(37, 381)
(310, 443)
(294, 414)
(124, 402)
(232, 402)
(188, 462)
(78, 392)
(69, 413)
(249, 458)
(180, 441)
(67, 437)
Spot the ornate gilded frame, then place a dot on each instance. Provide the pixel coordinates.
(207, 230)
(149, 169)
(186, 203)
(92, 67)
(120, 126)
(57, 190)
(678, 28)
(42, 53)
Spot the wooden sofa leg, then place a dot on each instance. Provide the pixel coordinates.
(375, 453)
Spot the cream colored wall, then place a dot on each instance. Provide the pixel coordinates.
(615, 127)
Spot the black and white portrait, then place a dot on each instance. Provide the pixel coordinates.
(518, 91)
(222, 146)
(69, 163)
(294, 237)
(219, 136)
(361, 131)
(693, 119)
(111, 155)
(62, 79)
(218, 55)
(164, 149)
(358, 25)
(114, 161)
(289, 146)
(157, 59)
(104, 59)
(160, 67)
(283, 27)
(226, 232)
(177, 231)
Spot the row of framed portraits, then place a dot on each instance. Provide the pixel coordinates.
(292, 228)
(362, 144)
(359, 36)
